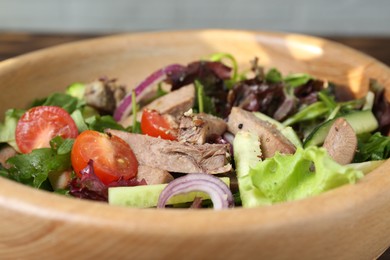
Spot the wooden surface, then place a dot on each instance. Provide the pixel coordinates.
(13, 44)
(347, 223)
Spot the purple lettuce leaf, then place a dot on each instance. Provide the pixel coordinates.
(211, 75)
(381, 108)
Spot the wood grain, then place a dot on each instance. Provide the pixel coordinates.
(13, 44)
(347, 223)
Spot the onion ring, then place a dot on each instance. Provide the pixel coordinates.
(219, 192)
(124, 108)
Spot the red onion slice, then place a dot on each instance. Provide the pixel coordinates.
(124, 108)
(228, 137)
(219, 192)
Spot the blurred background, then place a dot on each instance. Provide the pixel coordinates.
(27, 25)
(319, 17)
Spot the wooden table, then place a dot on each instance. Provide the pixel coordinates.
(14, 44)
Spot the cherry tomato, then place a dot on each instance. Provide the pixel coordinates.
(40, 124)
(112, 157)
(156, 125)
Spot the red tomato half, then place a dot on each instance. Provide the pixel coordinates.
(154, 124)
(112, 157)
(40, 124)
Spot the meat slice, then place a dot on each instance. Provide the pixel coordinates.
(271, 140)
(104, 94)
(6, 152)
(197, 128)
(153, 175)
(175, 103)
(174, 156)
(341, 142)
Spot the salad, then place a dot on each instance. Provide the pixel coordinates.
(200, 135)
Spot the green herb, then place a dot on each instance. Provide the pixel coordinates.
(101, 123)
(274, 76)
(136, 127)
(204, 103)
(372, 147)
(34, 168)
(200, 95)
(310, 112)
(297, 79)
(221, 56)
(65, 101)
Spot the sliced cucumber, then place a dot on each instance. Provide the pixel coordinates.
(246, 147)
(146, 196)
(247, 153)
(360, 121)
(286, 131)
(76, 90)
(366, 167)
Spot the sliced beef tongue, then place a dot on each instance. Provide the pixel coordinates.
(104, 94)
(153, 175)
(175, 103)
(198, 128)
(6, 152)
(175, 156)
(341, 141)
(271, 140)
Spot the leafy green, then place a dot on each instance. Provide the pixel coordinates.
(306, 173)
(3, 171)
(78, 118)
(292, 177)
(65, 101)
(309, 112)
(297, 79)
(136, 126)
(101, 123)
(34, 168)
(274, 76)
(204, 103)
(372, 147)
(222, 56)
(7, 129)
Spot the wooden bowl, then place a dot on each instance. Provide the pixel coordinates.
(352, 222)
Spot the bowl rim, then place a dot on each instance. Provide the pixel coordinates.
(23, 199)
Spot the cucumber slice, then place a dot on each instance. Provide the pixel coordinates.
(366, 167)
(361, 121)
(76, 90)
(146, 196)
(247, 153)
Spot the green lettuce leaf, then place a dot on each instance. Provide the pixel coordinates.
(308, 172)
